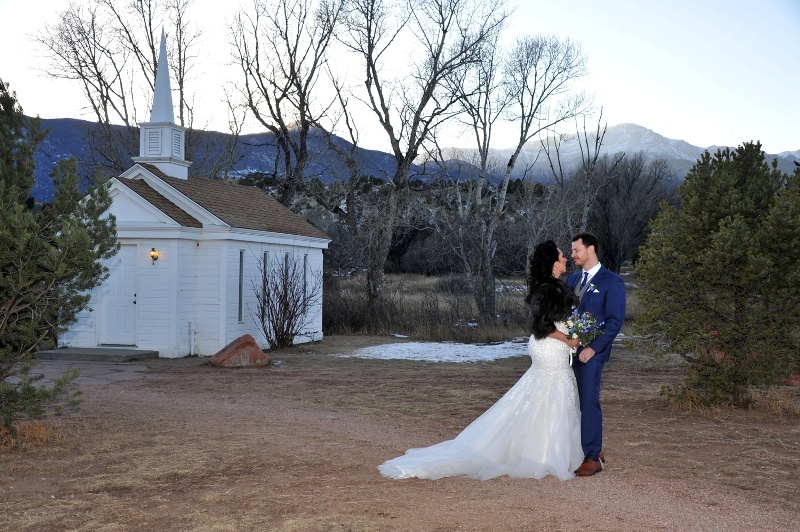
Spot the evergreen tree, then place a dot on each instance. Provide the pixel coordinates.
(779, 248)
(49, 260)
(718, 283)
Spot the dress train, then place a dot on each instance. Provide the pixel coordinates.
(530, 432)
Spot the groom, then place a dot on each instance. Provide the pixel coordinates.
(601, 293)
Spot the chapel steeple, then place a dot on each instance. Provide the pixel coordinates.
(161, 141)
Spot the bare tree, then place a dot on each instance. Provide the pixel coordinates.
(343, 200)
(625, 205)
(540, 74)
(546, 212)
(282, 48)
(580, 186)
(84, 48)
(562, 209)
(534, 90)
(466, 220)
(358, 200)
(288, 298)
(475, 213)
(111, 49)
(436, 39)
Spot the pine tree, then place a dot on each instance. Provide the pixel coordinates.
(779, 249)
(713, 275)
(49, 260)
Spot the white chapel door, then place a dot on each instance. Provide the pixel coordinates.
(118, 323)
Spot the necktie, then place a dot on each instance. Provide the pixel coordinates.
(585, 278)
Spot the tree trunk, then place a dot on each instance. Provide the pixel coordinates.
(488, 307)
(379, 253)
(485, 288)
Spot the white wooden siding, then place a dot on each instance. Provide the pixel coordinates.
(84, 331)
(195, 279)
(208, 297)
(185, 310)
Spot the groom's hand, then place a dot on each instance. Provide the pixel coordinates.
(586, 354)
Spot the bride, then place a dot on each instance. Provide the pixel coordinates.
(534, 429)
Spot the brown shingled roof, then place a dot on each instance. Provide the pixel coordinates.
(161, 203)
(241, 206)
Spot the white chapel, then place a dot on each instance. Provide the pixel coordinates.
(190, 248)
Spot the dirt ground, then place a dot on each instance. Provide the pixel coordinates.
(295, 446)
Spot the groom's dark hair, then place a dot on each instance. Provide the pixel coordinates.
(588, 239)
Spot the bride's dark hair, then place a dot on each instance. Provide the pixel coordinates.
(549, 299)
(541, 266)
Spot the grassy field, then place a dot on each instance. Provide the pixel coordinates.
(438, 308)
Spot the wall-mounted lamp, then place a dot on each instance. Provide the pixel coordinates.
(153, 255)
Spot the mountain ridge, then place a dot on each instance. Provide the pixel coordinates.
(633, 138)
(256, 153)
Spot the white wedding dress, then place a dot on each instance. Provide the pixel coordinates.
(532, 431)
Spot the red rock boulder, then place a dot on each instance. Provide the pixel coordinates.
(244, 351)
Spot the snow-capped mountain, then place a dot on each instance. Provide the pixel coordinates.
(632, 138)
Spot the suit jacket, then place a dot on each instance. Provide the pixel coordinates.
(605, 300)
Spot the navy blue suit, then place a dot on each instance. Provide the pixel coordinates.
(605, 300)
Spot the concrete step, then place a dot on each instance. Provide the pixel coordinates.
(96, 354)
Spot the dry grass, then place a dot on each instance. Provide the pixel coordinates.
(437, 308)
(32, 433)
(781, 401)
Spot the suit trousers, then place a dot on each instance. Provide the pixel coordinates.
(588, 378)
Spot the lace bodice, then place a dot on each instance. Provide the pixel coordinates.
(549, 354)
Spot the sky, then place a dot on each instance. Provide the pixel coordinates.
(710, 72)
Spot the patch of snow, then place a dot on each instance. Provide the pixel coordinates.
(443, 351)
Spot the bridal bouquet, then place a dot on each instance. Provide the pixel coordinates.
(584, 327)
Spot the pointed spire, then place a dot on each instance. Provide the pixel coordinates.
(161, 142)
(162, 98)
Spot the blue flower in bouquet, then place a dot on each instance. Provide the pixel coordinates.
(583, 327)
